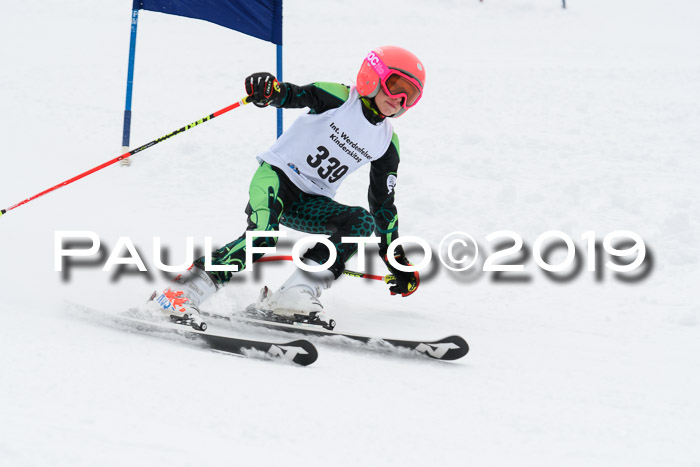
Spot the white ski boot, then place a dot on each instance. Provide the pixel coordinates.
(298, 298)
(180, 301)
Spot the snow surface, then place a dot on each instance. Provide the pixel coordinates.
(534, 118)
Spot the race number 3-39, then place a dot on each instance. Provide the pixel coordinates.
(331, 169)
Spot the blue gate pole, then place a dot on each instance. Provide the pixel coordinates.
(126, 135)
(280, 125)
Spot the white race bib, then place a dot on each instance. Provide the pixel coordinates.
(319, 151)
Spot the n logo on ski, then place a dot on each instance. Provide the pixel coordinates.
(436, 350)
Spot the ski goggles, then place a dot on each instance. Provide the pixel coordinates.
(396, 83)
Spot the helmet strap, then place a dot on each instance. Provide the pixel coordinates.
(371, 105)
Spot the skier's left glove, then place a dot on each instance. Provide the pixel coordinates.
(263, 89)
(404, 283)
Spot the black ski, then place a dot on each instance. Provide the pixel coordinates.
(301, 352)
(448, 348)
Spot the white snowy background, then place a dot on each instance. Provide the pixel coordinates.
(534, 118)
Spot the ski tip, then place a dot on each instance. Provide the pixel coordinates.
(301, 352)
(455, 347)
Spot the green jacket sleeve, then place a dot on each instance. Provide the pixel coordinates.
(383, 177)
(318, 97)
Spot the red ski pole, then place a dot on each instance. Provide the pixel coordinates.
(128, 154)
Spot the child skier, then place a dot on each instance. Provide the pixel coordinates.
(299, 174)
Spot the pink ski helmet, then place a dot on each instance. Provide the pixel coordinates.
(395, 70)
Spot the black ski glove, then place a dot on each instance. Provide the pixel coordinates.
(264, 89)
(404, 283)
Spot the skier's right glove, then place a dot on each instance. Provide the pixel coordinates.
(263, 89)
(404, 283)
